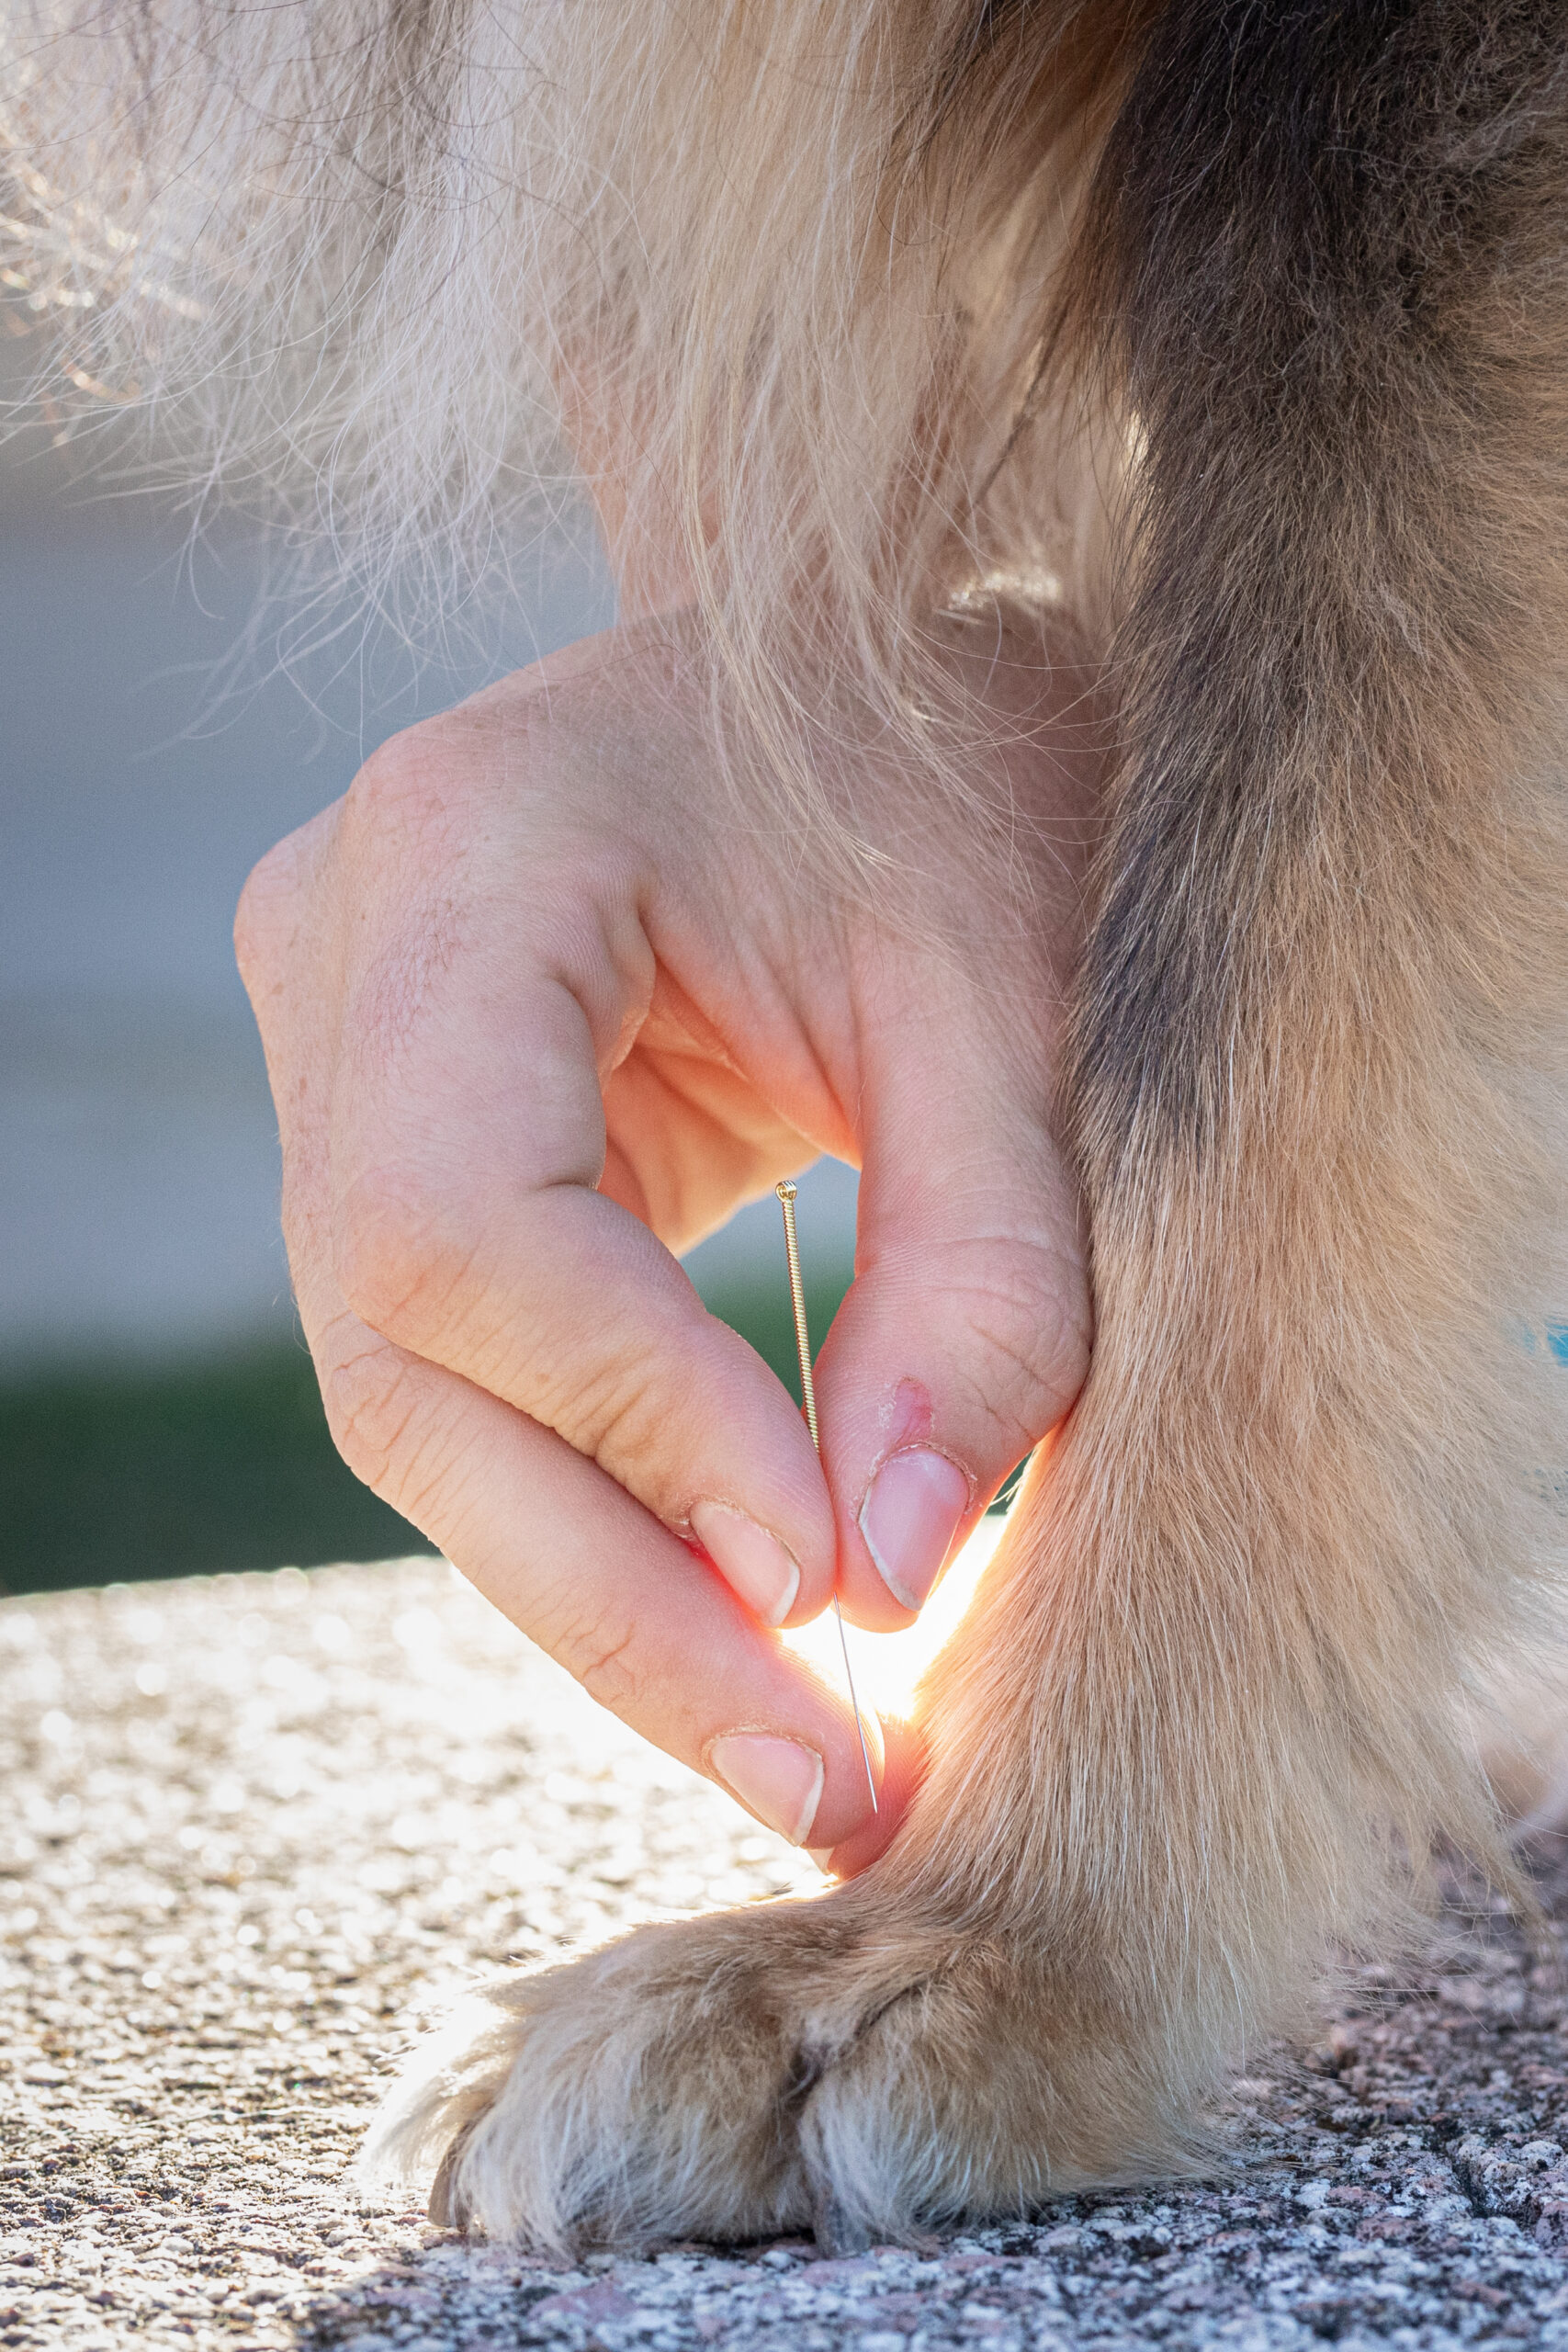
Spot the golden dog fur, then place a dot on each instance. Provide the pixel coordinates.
(1237, 337)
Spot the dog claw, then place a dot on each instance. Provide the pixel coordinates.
(835, 2229)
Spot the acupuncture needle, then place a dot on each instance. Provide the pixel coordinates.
(808, 1396)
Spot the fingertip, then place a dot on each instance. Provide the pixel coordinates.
(776, 1778)
(759, 1567)
(916, 1503)
(903, 1769)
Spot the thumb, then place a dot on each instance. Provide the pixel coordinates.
(966, 1335)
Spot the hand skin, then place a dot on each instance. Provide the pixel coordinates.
(542, 1005)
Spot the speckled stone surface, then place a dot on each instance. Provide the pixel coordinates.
(255, 1831)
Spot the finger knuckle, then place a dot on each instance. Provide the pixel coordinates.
(1028, 1313)
(612, 1407)
(371, 1408)
(401, 789)
(267, 914)
(399, 1261)
(600, 1652)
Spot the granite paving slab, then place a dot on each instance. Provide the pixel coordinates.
(255, 1831)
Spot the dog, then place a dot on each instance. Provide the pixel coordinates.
(1237, 333)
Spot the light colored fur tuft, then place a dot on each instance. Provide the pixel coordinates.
(369, 258)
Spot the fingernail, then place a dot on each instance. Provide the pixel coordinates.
(778, 1779)
(912, 1511)
(823, 1857)
(751, 1562)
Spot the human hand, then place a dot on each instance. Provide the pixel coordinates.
(542, 1004)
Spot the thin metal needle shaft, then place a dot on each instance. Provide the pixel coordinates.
(808, 1397)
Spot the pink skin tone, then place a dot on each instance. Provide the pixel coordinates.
(538, 1012)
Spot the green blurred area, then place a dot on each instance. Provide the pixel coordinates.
(225, 1462)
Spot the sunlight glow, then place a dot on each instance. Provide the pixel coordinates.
(887, 1666)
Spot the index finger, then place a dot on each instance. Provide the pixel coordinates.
(639, 1617)
(640, 1620)
(468, 1144)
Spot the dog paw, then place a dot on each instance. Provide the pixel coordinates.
(794, 2066)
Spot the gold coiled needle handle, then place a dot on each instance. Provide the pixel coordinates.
(808, 1397)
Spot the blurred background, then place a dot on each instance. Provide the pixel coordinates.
(158, 1414)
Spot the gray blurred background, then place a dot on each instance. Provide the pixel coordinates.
(156, 1409)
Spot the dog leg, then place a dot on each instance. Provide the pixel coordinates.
(1216, 1695)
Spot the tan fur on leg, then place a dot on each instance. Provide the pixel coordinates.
(1216, 1696)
